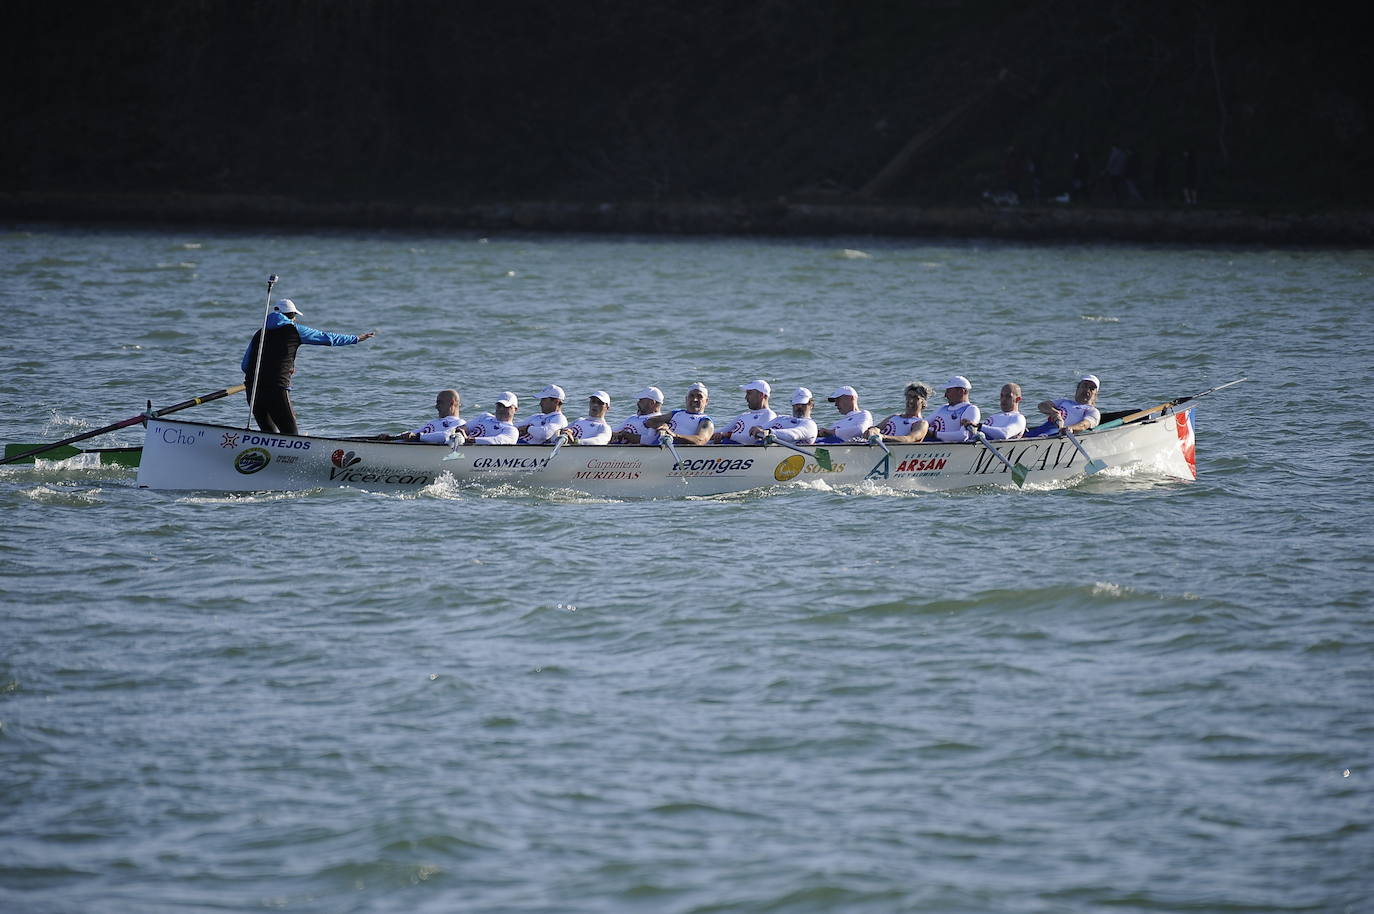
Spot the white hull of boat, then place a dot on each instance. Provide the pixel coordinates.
(196, 456)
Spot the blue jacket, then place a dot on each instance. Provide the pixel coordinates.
(284, 337)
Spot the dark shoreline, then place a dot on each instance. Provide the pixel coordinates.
(1045, 222)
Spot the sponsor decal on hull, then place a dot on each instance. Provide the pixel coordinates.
(711, 466)
(797, 465)
(252, 460)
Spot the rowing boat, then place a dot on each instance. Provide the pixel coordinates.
(180, 455)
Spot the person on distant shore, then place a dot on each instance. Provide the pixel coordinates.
(634, 430)
(908, 426)
(1079, 414)
(1189, 177)
(798, 428)
(436, 431)
(854, 422)
(689, 425)
(1009, 423)
(496, 427)
(955, 420)
(272, 402)
(591, 428)
(756, 394)
(542, 428)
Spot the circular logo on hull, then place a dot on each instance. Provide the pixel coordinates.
(790, 468)
(252, 460)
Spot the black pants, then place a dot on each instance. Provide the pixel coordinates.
(272, 409)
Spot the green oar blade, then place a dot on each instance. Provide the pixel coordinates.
(823, 458)
(57, 453)
(1094, 466)
(1018, 474)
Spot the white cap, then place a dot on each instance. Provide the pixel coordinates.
(701, 387)
(650, 393)
(958, 381)
(1093, 379)
(602, 396)
(845, 391)
(553, 390)
(286, 306)
(760, 385)
(801, 395)
(508, 399)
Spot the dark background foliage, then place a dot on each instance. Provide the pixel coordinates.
(712, 99)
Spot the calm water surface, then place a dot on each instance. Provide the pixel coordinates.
(1129, 695)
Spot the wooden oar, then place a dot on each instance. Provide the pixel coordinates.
(1154, 409)
(665, 439)
(132, 420)
(820, 454)
(1018, 472)
(1093, 465)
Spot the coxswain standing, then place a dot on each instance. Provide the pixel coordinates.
(272, 403)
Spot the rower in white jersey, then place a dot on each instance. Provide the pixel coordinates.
(689, 425)
(634, 430)
(1009, 423)
(854, 422)
(798, 428)
(955, 420)
(1077, 415)
(756, 394)
(497, 427)
(908, 426)
(591, 428)
(435, 431)
(542, 428)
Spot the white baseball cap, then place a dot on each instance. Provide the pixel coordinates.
(1092, 379)
(845, 391)
(650, 393)
(286, 306)
(602, 396)
(553, 390)
(508, 399)
(801, 395)
(760, 385)
(958, 381)
(701, 387)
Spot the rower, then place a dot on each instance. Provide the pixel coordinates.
(436, 431)
(955, 420)
(756, 394)
(542, 428)
(689, 425)
(496, 427)
(798, 428)
(1079, 414)
(908, 426)
(591, 428)
(634, 430)
(1009, 423)
(854, 423)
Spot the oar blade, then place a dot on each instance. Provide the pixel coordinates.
(18, 452)
(1094, 466)
(1018, 474)
(823, 458)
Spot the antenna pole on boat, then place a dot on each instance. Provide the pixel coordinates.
(262, 343)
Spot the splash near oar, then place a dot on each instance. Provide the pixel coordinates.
(1018, 472)
(124, 423)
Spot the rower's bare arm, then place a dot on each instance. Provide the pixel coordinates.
(702, 436)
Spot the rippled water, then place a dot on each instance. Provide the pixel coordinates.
(1129, 695)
